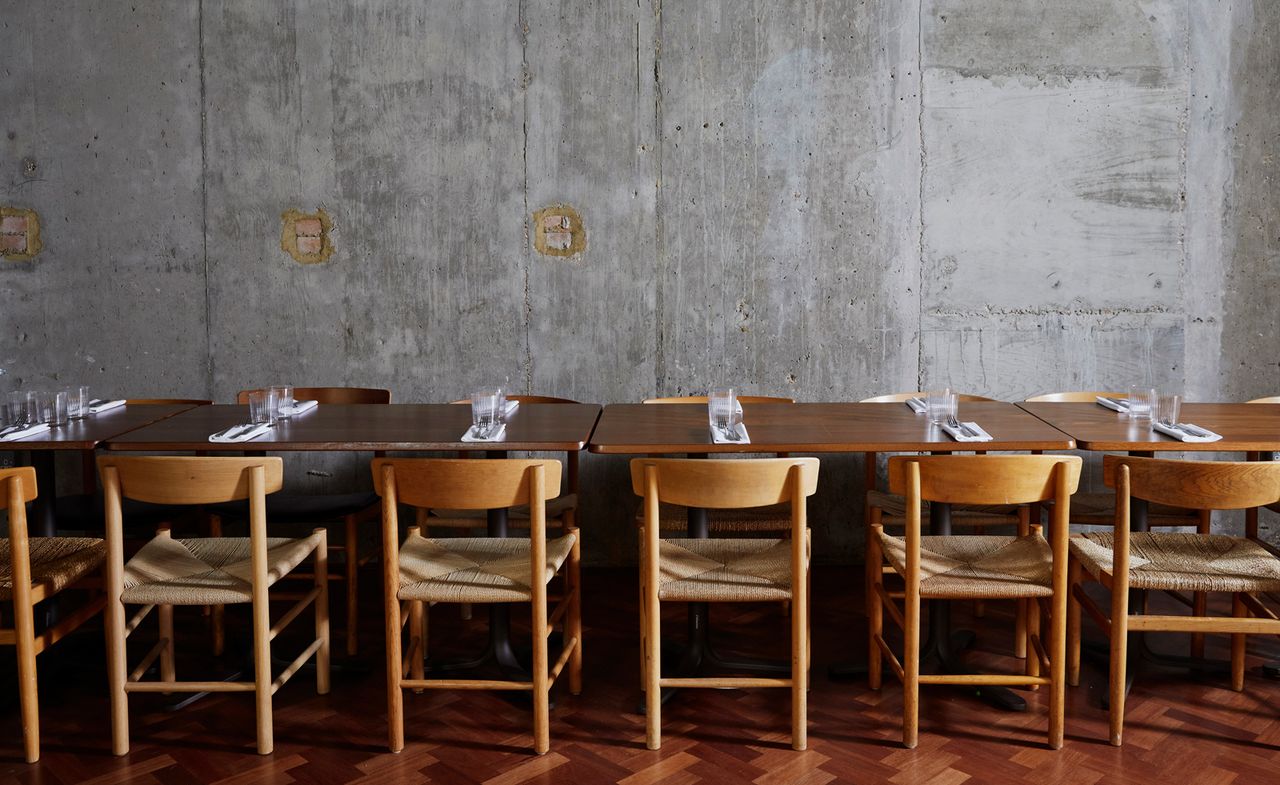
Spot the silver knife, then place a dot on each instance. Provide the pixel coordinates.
(1194, 430)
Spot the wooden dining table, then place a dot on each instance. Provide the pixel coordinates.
(81, 435)
(823, 428)
(562, 427)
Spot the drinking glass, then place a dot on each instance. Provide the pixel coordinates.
(1142, 400)
(78, 402)
(1168, 406)
(21, 408)
(284, 401)
(722, 405)
(940, 406)
(51, 407)
(486, 409)
(262, 407)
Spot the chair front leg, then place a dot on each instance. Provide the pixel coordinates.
(352, 555)
(1240, 611)
(321, 569)
(24, 631)
(1119, 660)
(165, 615)
(875, 610)
(1073, 622)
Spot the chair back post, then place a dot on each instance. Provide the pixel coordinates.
(538, 540)
(19, 543)
(1120, 541)
(258, 529)
(913, 525)
(651, 525)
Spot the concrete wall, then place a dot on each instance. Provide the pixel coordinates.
(819, 199)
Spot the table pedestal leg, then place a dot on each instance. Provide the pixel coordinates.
(43, 521)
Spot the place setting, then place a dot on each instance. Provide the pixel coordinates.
(490, 411)
(724, 413)
(267, 409)
(1161, 409)
(24, 414)
(941, 408)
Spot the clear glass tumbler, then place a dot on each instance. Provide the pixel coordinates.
(486, 409)
(21, 408)
(262, 407)
(51, 407)
(284, 401)
(78, 402)
(1168, 407)
(1142, 402)
(722, 405)
(940, 406)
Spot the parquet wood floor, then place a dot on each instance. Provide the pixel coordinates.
(1180, 730)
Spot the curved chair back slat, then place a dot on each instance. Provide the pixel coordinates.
(169, 401)
(1269, 399)
(1198, 485)
(462, 484)
(183, 480)
(903, 396)
(984, 479)
(703, 399)
(1076, 396)
(331, 395)
(725, 483)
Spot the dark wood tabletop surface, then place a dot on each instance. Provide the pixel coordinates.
(88, 433)
(1245, 427)
(818, 427)
(392, 427)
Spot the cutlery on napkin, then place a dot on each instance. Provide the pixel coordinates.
(1114, 404)
(240, 433)
(298, 407)
(510, 409)
(916, 405)
(965, 431)
(98, 405)
(1185, 432)
(15, 432)
(738, 435)
(491, 434)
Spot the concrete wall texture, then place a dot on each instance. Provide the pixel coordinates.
(822, 199)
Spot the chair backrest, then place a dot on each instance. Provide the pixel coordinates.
(902, 396)
(462, 484)
(703, 399)
(1270, 399)
(331, 395)
(1196, 485)
(184, 480)
(726, 484)
(984, 479)
(1077, 396)
(169, 401)
(528, 399)
(19, 486)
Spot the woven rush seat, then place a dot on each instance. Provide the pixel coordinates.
(1099, 509)
(771, 518)
(56, 562)
(724, 570)
(894, 510)
(555, 512)
(977, 565)
(1178, 561)
(473, 569)
(206, 571)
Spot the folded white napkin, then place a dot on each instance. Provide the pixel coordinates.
(1177, 432)
(496, 435)
(510, 409)
(98, 405)
(1114, 404)
(916, 405)
(959, 435)
(24, 432)
(240, 433)
(298, 407)
(719, 437)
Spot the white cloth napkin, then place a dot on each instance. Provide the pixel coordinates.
(510, 409)
(960, 436)
(298, 407)
(1114, 404)
(22, 433)
(98, 406)
(241, 433)
(1186, 436)
(496, 435)
(916, 405)
(719, 437)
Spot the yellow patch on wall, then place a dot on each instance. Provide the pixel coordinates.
(558, 231)
(19, 233)
(305, 236)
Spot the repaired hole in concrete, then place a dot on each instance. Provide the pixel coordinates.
(305, 236)
(19, 233)
(558, 231)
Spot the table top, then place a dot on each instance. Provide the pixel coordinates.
(391, 427)
(88, 433)
(1245, 427)
(818, 427)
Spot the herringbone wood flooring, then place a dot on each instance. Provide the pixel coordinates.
(1179, 730)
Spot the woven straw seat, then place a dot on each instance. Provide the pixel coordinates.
(473, 569)
(894, 510)
(771, 518)
(1178, 561)
(56, 562)
(977, 565)
(518, 515)
(724, 570)
(1099, 509)
(206, 571)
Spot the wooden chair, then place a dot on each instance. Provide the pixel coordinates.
(771, 519)
(207, 571)
(33, 570)
(1251, 515)
(1175, 562)
(422, 571)
(889, 509)
(975, 567)
(349, 509)
(724, 570)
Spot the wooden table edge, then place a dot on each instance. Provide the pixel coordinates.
(634, 449)
(25, 446)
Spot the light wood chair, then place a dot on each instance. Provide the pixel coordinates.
(724, 569)
(207, 571)
(1024, 567)
(421, 571)
(349, 509)
(889, 509)
(1251, 515)
(1175, 562)
(33, 569)
(771, 519)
